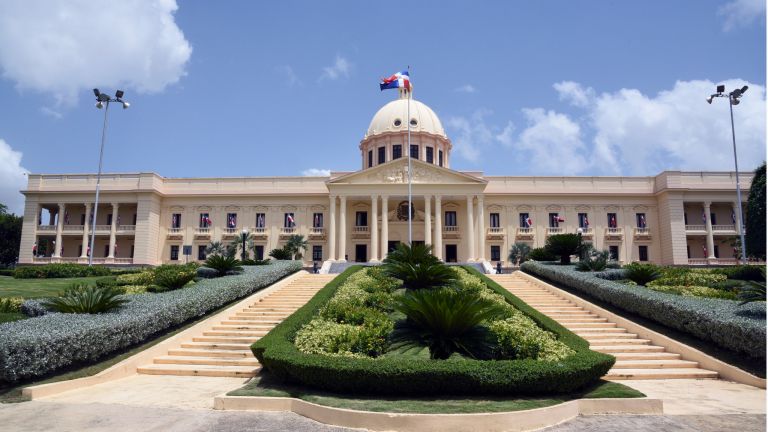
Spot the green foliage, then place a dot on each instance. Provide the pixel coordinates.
(223, 264)
(171, 277)
(243, 242)
(541, 254)
(681, 276)
(755, 223)
(215, 248)
(107, 282)
(563, 246)
(11, 304)
(642, 274)
(296, 246)
(86, 299)
(146, 277)
(518, 253)
(518, 337)
(695, 291)
(742, 272)
(280, 254)
(417, 267)
(10, 236)
(593, 260)
(753, 292)
(59, 271)
(6, 272)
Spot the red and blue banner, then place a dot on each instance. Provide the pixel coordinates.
(397, 80)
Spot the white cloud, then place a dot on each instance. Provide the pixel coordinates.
(289, 75)
(64, 48)
(741, 13)
(466, 88)
(316, 172)
(340, 69)
(474, 135)
(505, 137)
(574, 93)
(51, 112)
(12, 178)
(552, 143)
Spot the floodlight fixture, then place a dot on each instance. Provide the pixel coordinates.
(119, 94)
(721, 88)
(96, 92)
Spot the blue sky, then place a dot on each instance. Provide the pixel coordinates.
(238, 88)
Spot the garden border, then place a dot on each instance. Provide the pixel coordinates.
(523, 420)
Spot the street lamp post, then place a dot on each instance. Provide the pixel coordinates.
(244, 237)
(102, 99)
(734, 99)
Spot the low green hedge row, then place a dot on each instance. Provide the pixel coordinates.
(723, 322)
(397, 375)
(50, 271)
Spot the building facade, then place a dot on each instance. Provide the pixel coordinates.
(675, 218)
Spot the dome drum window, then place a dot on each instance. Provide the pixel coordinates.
(414, 122)
(398, 122)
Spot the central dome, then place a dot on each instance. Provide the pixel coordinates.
(393, 116)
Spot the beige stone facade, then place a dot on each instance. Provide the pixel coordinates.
(143, 218)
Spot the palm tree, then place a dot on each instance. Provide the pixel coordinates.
(295, 245)
(215, 248)
(417, 267)
(243, 238)
(519, 252)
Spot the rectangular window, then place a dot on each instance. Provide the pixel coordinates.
(614, 252)
(361, 218)
(717, 251)
(450, 218)
(317, 220)
(397, 151)
(258, 251)
(317, 253)
(109, 219)
(612, 223)
(430, 155)
(554, 220)
(415, 151)
(382, 154)
(583, 220)
(495, 220)
(525, 220)
(231, 220)
(289, 221)
(175, 253)
(440, 157)
(713, 218)
(205, 220)
(640, 219)
(495, 253)
(260, 220)
(370, 158)
(643, 252)
(176, 220)
(201, 253)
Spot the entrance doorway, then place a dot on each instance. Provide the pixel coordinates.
(451, 255)
(392, 245)
(361, 253)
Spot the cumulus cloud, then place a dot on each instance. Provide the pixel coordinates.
(506, 135)
(474, 135)
(741, 13)
(339, 69)
(316, 172)
(466, 88)
(574, 93)
(289, 75)
(64, 48)
(12, 178)
(552, 143)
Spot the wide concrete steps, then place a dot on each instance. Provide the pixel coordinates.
(223, 348)
(636, 358)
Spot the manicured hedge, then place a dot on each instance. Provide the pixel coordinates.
(723, 322)
(65, 270)
(41, 345)
(397, 375)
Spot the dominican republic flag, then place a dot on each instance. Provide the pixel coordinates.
(174, 221)
(208, 221)
(115, 248)
(703, 217)
(316, 223)
(704, 248)
(118, 220)
(290, 220)
(586, 222)
(231, 222)
(260, 222)
(66, 217)
(613, 221)
(642, 221)
(397, 80)
(529, 222)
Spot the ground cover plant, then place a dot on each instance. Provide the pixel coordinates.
(38, 346)
(692, 310)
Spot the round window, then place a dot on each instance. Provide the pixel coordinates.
(398, 122)
(414, 122)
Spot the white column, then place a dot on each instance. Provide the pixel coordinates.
(113, 231)
(438, 228)
(470, 229)
(428, 221)
(343, 228)
(59, 227)
(374, 228)
(384, 226)
(710, 238)
(84, 253)
(332, 230)
(481, 228)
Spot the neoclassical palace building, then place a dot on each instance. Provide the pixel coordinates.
(674, 217)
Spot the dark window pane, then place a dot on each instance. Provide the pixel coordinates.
(382, 155)
(430, 155)
(415, 151)
(397, 151)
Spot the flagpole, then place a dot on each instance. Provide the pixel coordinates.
(410, 174)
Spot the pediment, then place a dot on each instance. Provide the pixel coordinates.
(396, 172)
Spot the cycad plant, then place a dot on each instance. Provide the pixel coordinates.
(81, 298)
(223, 264)
(417, 267)
(446, 321)
(642, 274)
(563, 246)
(753, 290)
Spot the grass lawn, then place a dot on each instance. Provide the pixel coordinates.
(11, 316)
(264, 385)
(32, 288)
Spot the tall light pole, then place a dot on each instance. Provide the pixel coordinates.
(102, 101)
(734, 99)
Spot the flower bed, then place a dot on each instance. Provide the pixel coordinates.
(352, 372)
(723, 322)
(44, 344)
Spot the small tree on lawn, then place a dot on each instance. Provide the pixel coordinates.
(564, 245)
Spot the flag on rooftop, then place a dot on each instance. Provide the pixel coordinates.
(397, 80)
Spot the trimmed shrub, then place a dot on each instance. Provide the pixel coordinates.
(172, 277)
(563, 246)
(33, 308)
(681, 276)
(742, 272)
(11, 305)
(6, 272)
(107, 282)
(723, 322)
(280, 254)
(642, 274)
(518, 337)
(394, 375)
(35, 347)
(541, 254)
(51, 271)
(146, 277)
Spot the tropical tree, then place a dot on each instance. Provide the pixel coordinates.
(10, 236)
(244, 238)
(216, 248)
(417, 267)
(280, 254)
(564, 245)
(518, 254)
(296, 245)
(755, 223)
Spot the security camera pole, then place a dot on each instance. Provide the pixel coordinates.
(734, 99)
(101, 100)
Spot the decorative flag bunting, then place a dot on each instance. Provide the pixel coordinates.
(397, 80)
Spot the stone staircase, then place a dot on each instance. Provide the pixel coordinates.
(636, 358)
(224, 348)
